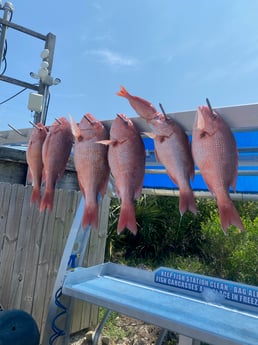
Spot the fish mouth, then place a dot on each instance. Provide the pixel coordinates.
(200, 117)
(89, 118)
(124, 118)
(204, 114)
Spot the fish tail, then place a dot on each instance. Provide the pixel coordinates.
(47, 201)
(90, 216)
(123, 92)
(127, 219)
(229, 216)
(35, 196)
(187, 202)
(29, 176)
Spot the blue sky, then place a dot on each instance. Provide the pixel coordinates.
(173, 52)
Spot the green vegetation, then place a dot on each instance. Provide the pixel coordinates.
(112, 330)
(192, 243)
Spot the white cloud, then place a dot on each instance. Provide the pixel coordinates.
(112, 58)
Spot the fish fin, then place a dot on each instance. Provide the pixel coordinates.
(187, 202)
(105, 142)
(75, 129)
(104, 186)
(150, 135)
(81, 188)
(90, 216)
(153, 136)
(229, 216)
(35, 196)
(43, 179)
(127, 219)
(234, 178)
(123, 92)
(29, 176)
(47, 201)
(112, 142)
(192, 169)
(192, 174)
(120, 141)
(156, 156)
(138, 191)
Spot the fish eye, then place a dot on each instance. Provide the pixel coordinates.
(213, 115)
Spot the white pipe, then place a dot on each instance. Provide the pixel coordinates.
(200, 194)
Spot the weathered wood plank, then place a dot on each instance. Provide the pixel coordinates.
(64, 214)
(10, 242)
(51, 242)
(41, 298)
(21, 252)
(33, 250)
(31, 246)
(4, 206)
(87, 314)
(4, 203)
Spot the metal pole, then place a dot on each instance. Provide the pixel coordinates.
(100, 327)
(44, 88)
(23, 29)
(18, 82)
(8, 9)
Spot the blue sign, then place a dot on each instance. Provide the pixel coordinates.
(213, 290)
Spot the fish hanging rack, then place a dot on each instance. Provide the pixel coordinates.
(241, 119)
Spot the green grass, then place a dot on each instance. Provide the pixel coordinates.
(111, 329)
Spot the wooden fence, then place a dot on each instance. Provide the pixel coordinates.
(31, 247)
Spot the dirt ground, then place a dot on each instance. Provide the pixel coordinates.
(138, 333)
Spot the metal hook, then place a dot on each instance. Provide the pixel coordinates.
(35, 126)
(213, 113)
(121, 117)
(163, 111)
(209, 105)
(58, 121)
(91, 122)
(16, 130)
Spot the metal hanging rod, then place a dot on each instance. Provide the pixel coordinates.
(23, 29)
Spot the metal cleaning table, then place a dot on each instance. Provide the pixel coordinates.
(204, 308)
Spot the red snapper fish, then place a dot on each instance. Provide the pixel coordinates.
(215, 153)
(55, 153)
(126, 156)
(173, 150)
(34, 160)
(142, 107)
(91, 163)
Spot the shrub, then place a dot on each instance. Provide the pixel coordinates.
(234, 255)
(192, 243)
